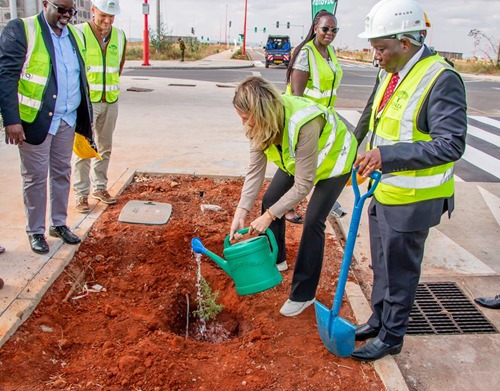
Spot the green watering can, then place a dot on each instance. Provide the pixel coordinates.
(251, 263)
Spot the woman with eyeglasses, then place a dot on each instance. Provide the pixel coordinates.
(314, 72)
(312, 148)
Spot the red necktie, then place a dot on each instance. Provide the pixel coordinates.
(390, 89)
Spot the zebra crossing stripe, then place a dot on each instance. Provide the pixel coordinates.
(483, 135)
(486, 120)
(482, 160)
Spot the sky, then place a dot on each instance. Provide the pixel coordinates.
(451, 21)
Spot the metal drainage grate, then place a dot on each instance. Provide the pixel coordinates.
(442, 308)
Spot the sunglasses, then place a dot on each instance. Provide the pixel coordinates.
(62, 10)
(334, 30)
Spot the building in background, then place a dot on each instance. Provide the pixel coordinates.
(24, 8)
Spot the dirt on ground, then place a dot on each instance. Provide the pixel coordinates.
(140, 333)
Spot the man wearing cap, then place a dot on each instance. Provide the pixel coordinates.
(416, 124)
(106, 47)
(44, 100)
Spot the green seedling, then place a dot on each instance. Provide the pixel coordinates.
(208, 309)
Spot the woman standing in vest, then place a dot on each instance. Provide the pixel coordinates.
(311, 147)
(314, 71)
(106, 47)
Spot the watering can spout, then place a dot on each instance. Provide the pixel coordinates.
(198, 248)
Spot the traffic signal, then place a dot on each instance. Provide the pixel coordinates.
(277, 25)
(229, 23)
(192, 30)
(202, 37)
(264, 30)
(287, 25)
(255, 29)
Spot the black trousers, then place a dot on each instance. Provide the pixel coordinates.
(396, 261)
(312, 243)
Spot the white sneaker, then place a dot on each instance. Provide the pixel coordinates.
(293, 308)
(282, 266)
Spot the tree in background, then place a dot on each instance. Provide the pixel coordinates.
(491, 46)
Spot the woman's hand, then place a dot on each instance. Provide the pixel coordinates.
(238, 223)
(260, 224)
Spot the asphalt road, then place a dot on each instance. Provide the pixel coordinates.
(482, 95)
(481, 162)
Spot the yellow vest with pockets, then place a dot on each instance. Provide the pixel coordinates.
(36, 68)
(103, 70)
(323, 80)
(336, 146)
(397, 123)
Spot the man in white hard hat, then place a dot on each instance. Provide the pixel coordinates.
(106, 46)
(416, 124)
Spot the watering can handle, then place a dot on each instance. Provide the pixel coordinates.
(268, 232)
(359, 201)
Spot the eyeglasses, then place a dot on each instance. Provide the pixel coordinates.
(62, 10)
(334, 30)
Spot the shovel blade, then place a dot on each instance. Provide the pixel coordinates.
(336, 333)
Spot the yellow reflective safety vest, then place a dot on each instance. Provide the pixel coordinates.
(103, 70)
(324, 78)
(36, 68)
(336, 145)
(397, 123)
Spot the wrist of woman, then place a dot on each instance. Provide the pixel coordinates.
(271, 214)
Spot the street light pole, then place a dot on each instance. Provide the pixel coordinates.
(145, 49)
(225, 30)
(244, 30)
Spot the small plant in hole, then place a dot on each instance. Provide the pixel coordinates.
(208, 309)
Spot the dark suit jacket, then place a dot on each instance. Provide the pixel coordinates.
(444, 118)
(13, 47)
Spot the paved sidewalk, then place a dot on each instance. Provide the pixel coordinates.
(194, 130)
(220, 60)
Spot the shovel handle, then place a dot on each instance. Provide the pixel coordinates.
(359, 201)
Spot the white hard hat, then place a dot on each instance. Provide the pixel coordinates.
(392, 17)
(110, 7)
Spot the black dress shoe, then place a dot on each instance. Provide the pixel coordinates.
(64, 233)
(489, 302)
(375, 349)
(38, 244)
(365, 331)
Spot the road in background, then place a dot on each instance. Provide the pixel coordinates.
(483, 95)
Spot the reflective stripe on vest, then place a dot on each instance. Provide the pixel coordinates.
(323, 81)
(397, 123)
(104, 77)
(36, 69)
(336, 145)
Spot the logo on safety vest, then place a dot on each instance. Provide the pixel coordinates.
(113, 49)
(399, 99)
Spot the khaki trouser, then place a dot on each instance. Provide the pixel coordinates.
(95, 170)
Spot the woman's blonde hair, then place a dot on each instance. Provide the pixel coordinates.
(263, 104)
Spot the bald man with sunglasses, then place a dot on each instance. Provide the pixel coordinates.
(44, 100)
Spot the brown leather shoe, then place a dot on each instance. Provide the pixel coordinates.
(104, 196)
(82, 204)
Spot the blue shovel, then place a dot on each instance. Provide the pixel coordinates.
(337, 333)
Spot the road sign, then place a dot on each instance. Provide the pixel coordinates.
(327, 5)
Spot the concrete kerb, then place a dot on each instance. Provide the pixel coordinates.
(194, 67)
(21, 309)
